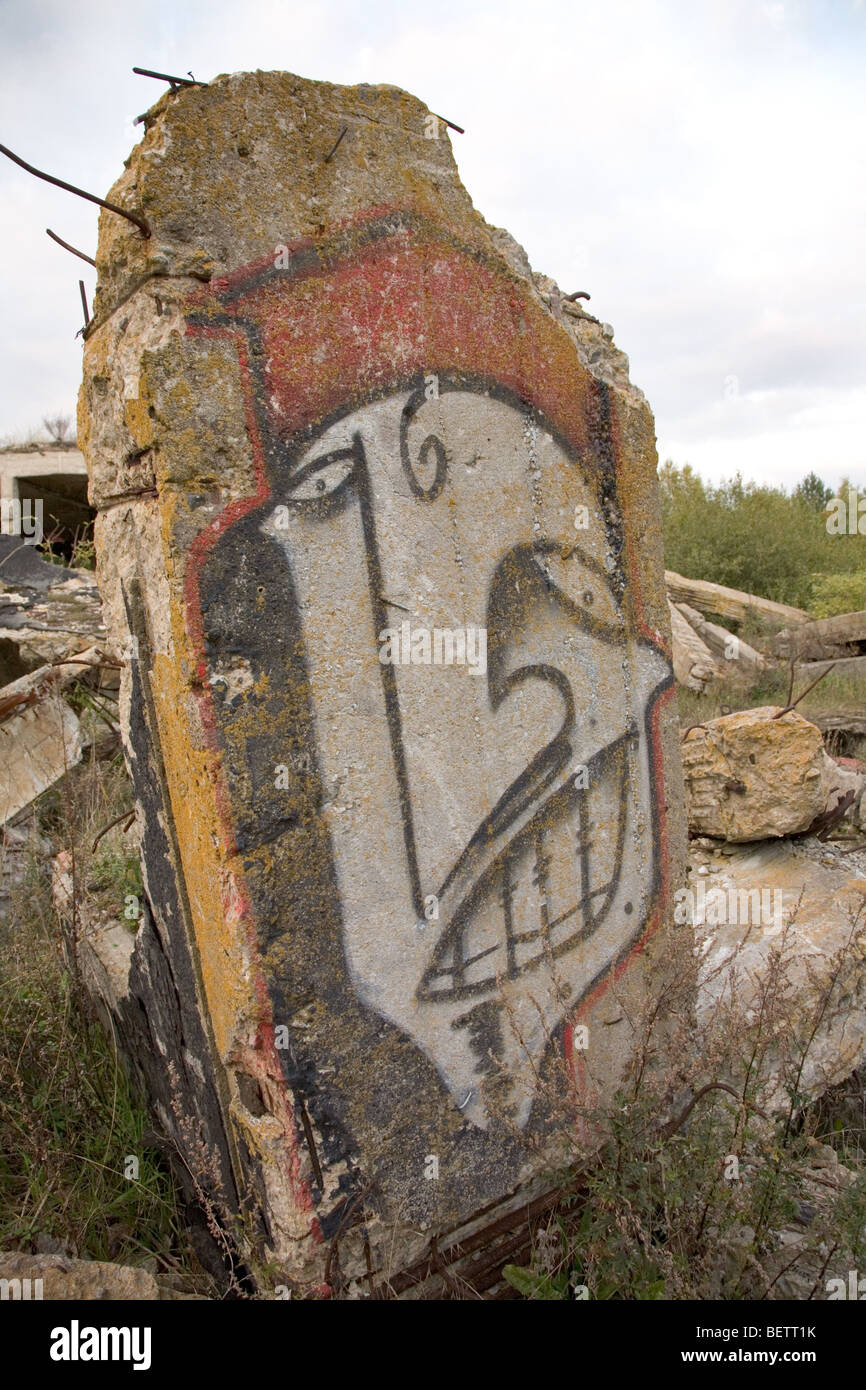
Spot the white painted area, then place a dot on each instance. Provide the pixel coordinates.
(508, 484)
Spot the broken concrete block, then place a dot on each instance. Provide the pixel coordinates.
(843, 776)
(824, 639)
(45, 622)
(736, 658)
(40, 737)
(62, 1278)
(731, 605)
(378, 528)
(103, 944)
(694, 666)
(775, 903)
(41, 734)
(753, 776)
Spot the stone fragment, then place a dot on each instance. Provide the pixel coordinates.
(378, 522)
(853, 667)
(64, 1279)
(103, 943)
(824, 639)
(841, 776)
(39, 744)
(752, 776)
(40, 735)
(51, 621)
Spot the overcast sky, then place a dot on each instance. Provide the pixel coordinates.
(696, 165)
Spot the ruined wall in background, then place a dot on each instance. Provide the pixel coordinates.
(378, 529)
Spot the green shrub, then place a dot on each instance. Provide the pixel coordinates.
(758, 538)
(838, 593)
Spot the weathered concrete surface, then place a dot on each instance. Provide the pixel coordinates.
(794, 910)
(840, 636)
(850, 666)
(322, 400)
(18, 465)
(41, 737)
(64, 1279)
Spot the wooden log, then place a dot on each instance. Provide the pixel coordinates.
(744, 659)
(731, 604)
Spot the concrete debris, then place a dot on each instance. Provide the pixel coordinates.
(732, 605)
(39, 743)
(694, 666)
(854, 667)
(50, 613)
(731, 653)
(823, 639)
(41, 737)
(801, 900)
(756, 774)
(62, 1278)
(66, 1279)
(104, 943)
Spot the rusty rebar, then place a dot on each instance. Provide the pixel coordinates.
(793, 704)
(167, 77)
(450, 124)
(67, 247)
(124, 815)
(140, 222)
(336, 146)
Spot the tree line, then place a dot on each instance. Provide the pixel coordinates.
(800, 547)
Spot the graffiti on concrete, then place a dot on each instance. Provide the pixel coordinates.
(459, 853)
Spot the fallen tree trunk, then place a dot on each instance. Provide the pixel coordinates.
(731, 604)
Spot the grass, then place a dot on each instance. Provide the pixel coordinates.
(835, 694)
(78, 1168)
(82, 552)
(74, 1164)
(712, 1179)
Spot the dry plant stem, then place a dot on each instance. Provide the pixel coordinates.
(770, 1193)
(208, 1164)
(825, 1266)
